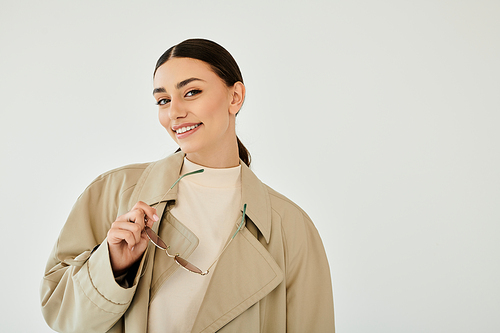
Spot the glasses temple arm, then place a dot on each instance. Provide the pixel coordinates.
(178, 180)
(184, 175)
(242, 221)
(234, 235)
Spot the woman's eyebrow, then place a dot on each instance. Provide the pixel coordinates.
(178, 86)
(159, 90)
(183, 83)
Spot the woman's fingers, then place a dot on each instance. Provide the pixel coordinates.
(133, 222)
(149, 213)
(143, 214)
(127, 239)
(127, 231)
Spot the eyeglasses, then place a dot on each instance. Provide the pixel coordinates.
(156, 240)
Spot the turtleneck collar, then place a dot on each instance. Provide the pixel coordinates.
(212, 177)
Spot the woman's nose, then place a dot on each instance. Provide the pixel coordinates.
(176, 110)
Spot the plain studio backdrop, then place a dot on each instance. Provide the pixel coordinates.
(379, 118)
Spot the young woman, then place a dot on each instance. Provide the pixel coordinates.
(253, 261)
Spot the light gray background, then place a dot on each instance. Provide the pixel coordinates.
(379, 118)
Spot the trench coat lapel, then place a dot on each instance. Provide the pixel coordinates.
(156, 181)
(246, 272)
(151, 188)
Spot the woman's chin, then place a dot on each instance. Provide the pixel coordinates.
(188, 149)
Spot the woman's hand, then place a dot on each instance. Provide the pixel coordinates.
(127, 239)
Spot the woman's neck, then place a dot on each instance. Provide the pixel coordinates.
(223, 158)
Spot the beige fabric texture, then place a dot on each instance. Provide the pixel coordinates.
(208, 204)
(274, 276)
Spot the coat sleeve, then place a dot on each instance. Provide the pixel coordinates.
(308, 282)
(78, 291)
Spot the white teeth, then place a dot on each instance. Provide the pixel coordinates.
(185, 129)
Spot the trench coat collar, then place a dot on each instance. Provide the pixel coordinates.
(160, 175)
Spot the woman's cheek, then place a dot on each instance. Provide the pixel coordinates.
(165, 122)
(164, 119)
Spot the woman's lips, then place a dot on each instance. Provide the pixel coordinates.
(186, 130)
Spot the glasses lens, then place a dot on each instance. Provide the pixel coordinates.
(187, 265)
(155, 239)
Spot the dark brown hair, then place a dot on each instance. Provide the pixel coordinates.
(221, 62)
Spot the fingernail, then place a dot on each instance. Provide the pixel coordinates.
(155, 217)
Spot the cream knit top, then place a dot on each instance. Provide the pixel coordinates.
(209, 204)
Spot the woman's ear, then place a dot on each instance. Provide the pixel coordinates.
(238, 94)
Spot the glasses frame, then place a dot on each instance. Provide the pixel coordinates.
(158, 242)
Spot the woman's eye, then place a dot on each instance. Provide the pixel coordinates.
(163, 101)
(193, 92)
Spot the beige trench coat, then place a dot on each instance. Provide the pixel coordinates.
(274, 276)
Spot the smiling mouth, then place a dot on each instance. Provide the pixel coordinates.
(186, 129)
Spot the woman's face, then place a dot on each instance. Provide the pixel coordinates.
(196, 107)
